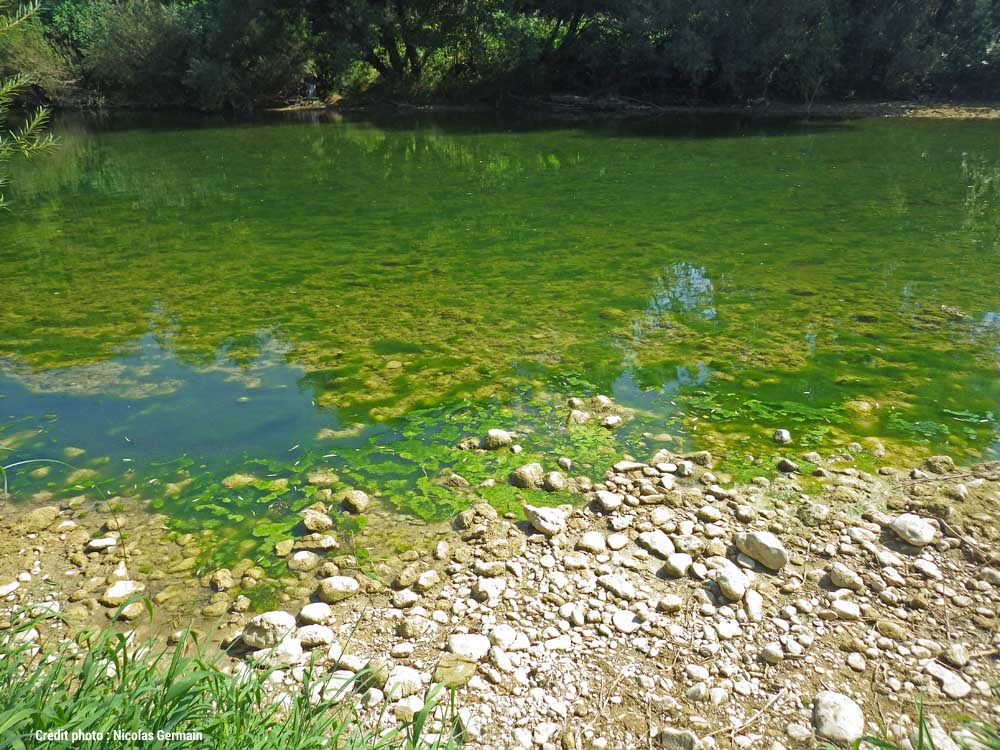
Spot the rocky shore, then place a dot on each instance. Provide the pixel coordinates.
(667, 609)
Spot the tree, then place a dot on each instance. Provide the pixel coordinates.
(396, 37)
(30, 138)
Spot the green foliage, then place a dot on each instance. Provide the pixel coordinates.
(247, 53)
(102, 681)
(29, 139)
(210, 54)
(140, 50)
(30, 50)
(217, 54)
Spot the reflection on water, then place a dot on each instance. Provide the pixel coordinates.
(982, 200)
(684, 287)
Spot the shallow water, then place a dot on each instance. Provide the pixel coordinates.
(184, 299)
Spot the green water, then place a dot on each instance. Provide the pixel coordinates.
(186, 299)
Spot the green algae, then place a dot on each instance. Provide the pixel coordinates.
(287, 297)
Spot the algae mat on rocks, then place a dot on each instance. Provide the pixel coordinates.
(187, 300)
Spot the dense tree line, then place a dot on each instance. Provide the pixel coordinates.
(239, 54)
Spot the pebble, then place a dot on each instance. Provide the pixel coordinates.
(677, 564)
(773, 653)
(656, 542)
(593, 541)
(951, 684)
(846, 610)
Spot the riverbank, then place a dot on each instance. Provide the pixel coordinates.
(572, 106)
(668, 607)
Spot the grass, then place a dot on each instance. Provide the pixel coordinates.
(982, 736)
(5, 470)
(101, 681)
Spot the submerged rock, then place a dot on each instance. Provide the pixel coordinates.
(119, 591)
(554, 481)
(315, 520)
(527, 477)
(497, 439)
(222, 580)
(356, 501)
(782, 437)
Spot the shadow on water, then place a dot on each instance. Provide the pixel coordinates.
(671, 126)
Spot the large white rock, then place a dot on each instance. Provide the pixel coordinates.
(267, 629)
(337, 588)
(549, 521)
(311, 636)
(951, 684)
(657, 542)
(837, 718)
(316, 613)
(608, 501)
(593, 541)
(503, 636)
(764, 547)
(913, 529)
(285, 654)
(303, 561)
(625, 621)
(9, 588)
(677, 564)
(618, 585)
(732, 583)
(489, 590)
(101, 543)
(471, 646)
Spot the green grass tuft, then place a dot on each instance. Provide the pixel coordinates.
(101, 681)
